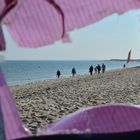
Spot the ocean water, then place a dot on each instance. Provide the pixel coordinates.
(22, 72)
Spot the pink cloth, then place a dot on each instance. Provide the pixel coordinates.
(101, 119)
(2, 40)
(12, 123)
(34, 23)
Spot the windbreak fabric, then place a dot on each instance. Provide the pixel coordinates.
(2, 130)
(105, 119)
(13, 126)
(34, 23)
(2, 40)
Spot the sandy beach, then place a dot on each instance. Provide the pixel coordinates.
(45, 102)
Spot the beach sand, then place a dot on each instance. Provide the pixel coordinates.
(45, 102)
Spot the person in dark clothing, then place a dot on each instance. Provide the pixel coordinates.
(95, 69)
(103, 68)
(98, 68)
(58, 73)
(73, 71)
(124, 66)
(91, 70)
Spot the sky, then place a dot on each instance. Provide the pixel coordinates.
(110, 38)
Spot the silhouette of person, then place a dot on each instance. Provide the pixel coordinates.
(98, 68)
(73, 71)
(58, 73)
(103, 68)
(91, 70)
(95, 69)
(124, 66)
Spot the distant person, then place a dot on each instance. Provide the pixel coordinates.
(73, 72)
(91, 70)
(103, 68)
(58, 73)
(98, 68)
(95, 69)
(124, 66)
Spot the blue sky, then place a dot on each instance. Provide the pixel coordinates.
(109, 38)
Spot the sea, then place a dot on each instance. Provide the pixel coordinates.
(24, 72)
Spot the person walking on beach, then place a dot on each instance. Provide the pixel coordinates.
(103, 68)
(73, 72)
(91, 70)
(95, 69)
(58, 73)
(124, 66)
(98, 68)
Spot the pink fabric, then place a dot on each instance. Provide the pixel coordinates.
(12, 123)
(9, 5)
(34, 23)
(2, 40)
(101, 119)
(2, 130)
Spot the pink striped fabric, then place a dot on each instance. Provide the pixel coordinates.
(101, 119)
(2, 130)
(12, 123)
(2, 40)
(34, 23)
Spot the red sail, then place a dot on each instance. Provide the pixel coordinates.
(129, 57)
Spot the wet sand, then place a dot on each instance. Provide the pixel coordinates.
(45, 102)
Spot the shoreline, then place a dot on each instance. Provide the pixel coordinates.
(44, 102)
(64, 77)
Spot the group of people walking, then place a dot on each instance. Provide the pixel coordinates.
(73, 72)
(97, 69)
